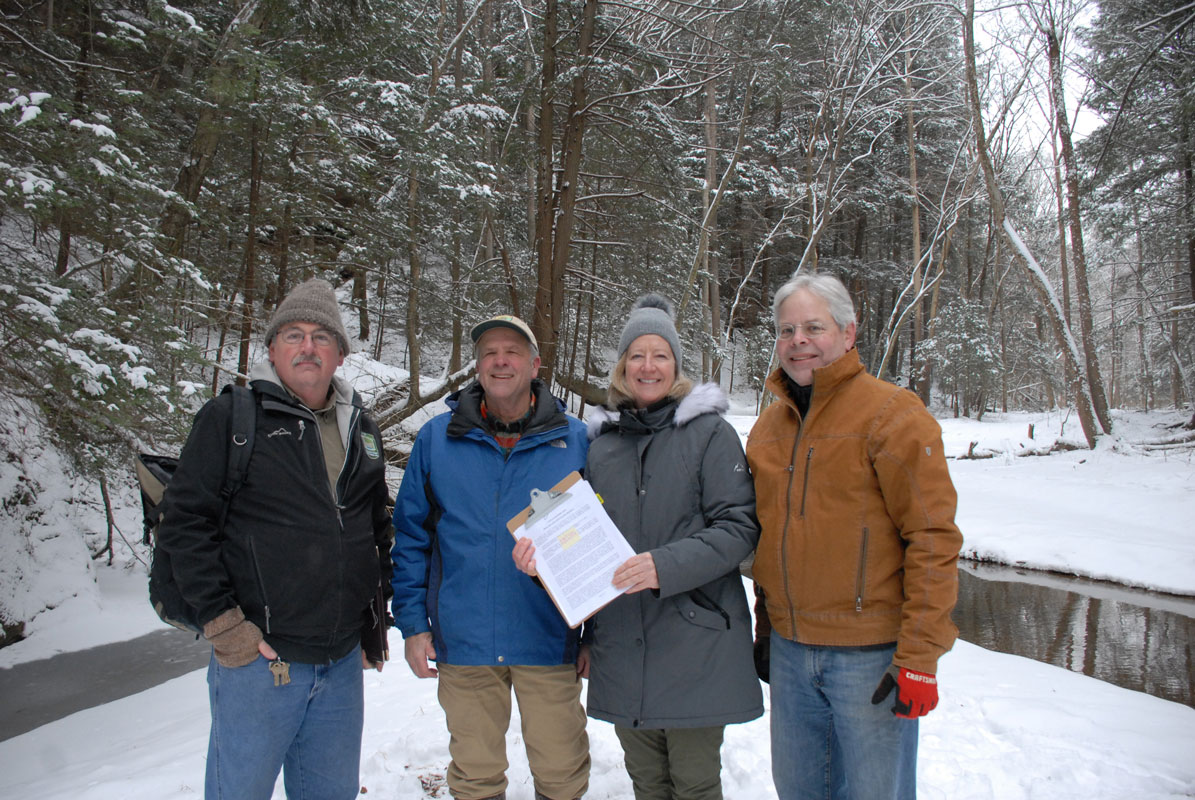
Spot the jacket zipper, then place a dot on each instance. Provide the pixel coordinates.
(355, 452)
(805, 480)
(642, 452)
(861, 575)
(336, 501)
(802, 421)
(792, 613)
(261, 583)
(265, 601)
(339, 518)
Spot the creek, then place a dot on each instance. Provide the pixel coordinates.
(1134, 638)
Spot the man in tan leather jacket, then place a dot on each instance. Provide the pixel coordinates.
(857, 558)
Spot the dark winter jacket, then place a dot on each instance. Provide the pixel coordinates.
(675, 482)
(302, 567)
(453, 571)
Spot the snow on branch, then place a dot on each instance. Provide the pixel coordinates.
(1044, 283)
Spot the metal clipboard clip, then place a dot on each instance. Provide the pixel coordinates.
(542, 503)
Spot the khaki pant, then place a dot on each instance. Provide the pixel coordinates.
(476, 702)
(674, 763)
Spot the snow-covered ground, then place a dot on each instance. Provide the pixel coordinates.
(1006, 728)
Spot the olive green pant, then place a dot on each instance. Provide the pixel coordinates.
(477, 705)
(674, 763)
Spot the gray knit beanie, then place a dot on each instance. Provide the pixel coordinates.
(652, 313)
(313, 301)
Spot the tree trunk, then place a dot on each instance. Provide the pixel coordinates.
(396, 403)
(1146, 382)
(382, 294)
(249, 283)
(63, 257)
(512, 286)
(1019, 251)
(414, 224)
(1063, 268)
(713, 298)
(576, 337)
(284, 254)
(545, 202)
(221, 85)
(589, 333)
(708, 216)
(1082, 290)
(1188, 213)
(556, 205)
(109, 518)
(455, 293)
(361, 301)
(414, 362)
(918, 366)
(1047, 375)
(221, 340)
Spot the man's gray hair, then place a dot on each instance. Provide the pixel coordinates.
(825, 286)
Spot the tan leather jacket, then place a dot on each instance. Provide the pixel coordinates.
(858, 543)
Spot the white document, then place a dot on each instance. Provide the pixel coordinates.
(577, 547)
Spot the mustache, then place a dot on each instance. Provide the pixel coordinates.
(307, 359)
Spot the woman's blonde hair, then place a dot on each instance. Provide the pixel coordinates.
(619, 394)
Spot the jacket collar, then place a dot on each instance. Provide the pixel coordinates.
(826, 380)
(466, 410)
(265, 381)
(264, 378)
(706, 398)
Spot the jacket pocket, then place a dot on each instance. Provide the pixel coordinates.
(697, 608)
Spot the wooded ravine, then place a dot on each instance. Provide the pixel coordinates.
(1008, 191)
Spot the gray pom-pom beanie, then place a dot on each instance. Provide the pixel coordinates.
(312, 301)
(652, 313)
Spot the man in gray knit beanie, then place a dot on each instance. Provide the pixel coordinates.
(281, 577)
(312, 301)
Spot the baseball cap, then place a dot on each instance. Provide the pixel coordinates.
(504, 321)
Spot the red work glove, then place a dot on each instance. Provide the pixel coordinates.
(916, 692)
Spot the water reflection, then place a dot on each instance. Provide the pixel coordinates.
(1135, 639)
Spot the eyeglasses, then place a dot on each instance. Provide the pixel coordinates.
(812, 330)
(295, 336)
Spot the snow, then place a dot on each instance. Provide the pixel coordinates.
(98, 130)
(1006, 727)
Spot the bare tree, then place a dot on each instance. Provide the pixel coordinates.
(1020, 251)
(556, 197)
(1046, 17)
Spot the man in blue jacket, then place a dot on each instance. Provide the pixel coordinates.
(458, 599)
(282, 577)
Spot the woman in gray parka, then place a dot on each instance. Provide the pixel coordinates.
(672, 666)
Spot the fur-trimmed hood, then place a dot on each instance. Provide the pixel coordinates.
(705, 398)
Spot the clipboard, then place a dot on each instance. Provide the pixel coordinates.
(575, 521)
(543, 502)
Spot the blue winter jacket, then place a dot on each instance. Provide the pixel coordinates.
(453, 571)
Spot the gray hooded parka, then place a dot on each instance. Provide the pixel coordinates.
(674, 480)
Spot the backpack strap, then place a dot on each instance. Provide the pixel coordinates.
(244, 424)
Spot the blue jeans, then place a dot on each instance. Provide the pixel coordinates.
(310, 726)
(828, 741)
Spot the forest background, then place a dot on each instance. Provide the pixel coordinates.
(168, 171)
